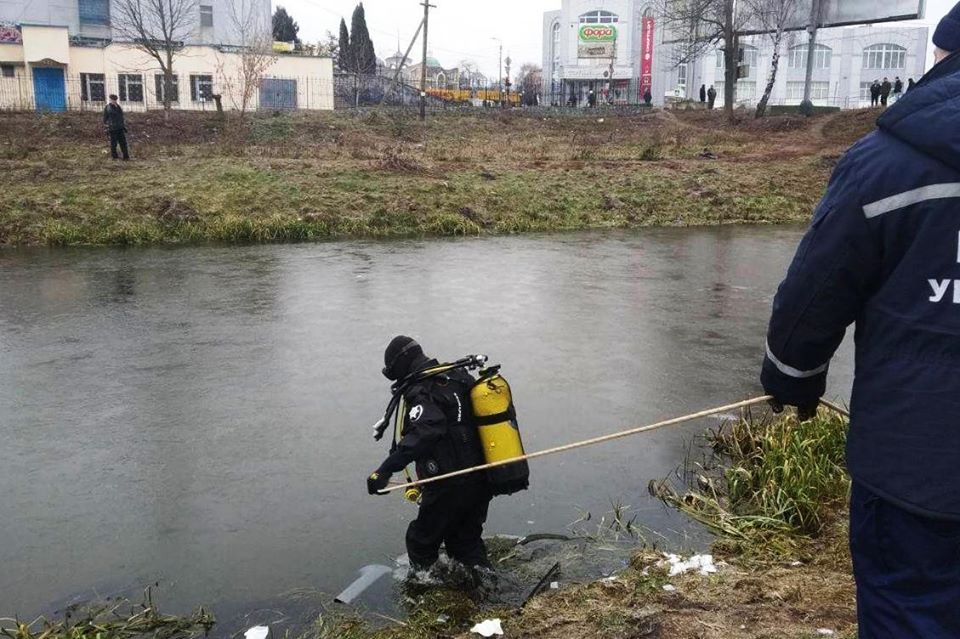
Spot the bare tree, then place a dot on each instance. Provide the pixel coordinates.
(159, 29)
(773, 16)
(697, 26)
(256, 55)
(530, 82)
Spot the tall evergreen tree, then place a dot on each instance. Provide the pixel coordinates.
(285, 28)
(361, 46)
(344, 57)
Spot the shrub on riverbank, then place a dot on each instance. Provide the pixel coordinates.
(781, 481)
(118, 619)
(333, 175)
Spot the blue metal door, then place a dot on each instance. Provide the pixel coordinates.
(278, 94)
(48, 89)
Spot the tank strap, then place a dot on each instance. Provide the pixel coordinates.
(496, 418)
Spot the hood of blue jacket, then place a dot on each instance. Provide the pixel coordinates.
(927, 117)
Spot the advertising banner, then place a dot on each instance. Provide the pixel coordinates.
(835, 13)
(646, 56)
(599, 50)
(593, 33)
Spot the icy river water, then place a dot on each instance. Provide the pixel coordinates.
(200, 417)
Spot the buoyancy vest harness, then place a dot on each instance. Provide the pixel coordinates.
(493, 412)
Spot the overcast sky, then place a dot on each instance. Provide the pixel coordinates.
(459, 29)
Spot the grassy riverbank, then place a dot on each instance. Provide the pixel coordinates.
(384, 174)
(776, 498)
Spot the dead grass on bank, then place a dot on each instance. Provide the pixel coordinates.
(383, 174)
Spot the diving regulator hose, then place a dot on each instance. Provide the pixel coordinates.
(396, 408)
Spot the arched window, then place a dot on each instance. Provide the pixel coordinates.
(750, 57)
(555, 50)
(884, 56)
(822, 56)
(599, 17)
(441, 80)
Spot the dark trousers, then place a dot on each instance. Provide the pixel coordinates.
(452, 515)
(907, 569)
(119, 137)
(883, 99)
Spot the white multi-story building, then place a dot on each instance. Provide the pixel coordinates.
(72, 54)
(618, 50)
(846, 61)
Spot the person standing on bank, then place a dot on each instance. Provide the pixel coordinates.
(711, 97)
(441, 437)
(897, 88)
(703, 93)
(885, 89)
(882, 252)
(875, 93)
(116, 128)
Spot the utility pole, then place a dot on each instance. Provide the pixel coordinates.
(500, 77)
(806, 107)
(508, 82)
(423, 65)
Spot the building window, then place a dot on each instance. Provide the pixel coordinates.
(822, 56)
(174, 89)
(131, 87)
(818, 91)
(884, 56)
(201, 88)
(93, 87)
(555, 52)
(745, 91)
(750, 57)
(8, 71)
(682, 78)
(94, 12)
(599, 17)
(206, 15)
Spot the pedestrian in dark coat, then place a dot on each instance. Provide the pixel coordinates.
(116, 128)
(591, 99)
(875, 93)
(885, 89)
(882, 252)
(703, 93)
(711, 97)
(910, 84)
(648, 97)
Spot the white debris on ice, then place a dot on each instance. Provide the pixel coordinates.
(257, 632)
(554, 585)
(825, 632)
(488, 628)
(669, 587)
(702, 563)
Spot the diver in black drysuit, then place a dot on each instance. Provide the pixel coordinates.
(441, 437)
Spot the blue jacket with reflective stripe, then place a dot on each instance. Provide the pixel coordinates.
(883, 252)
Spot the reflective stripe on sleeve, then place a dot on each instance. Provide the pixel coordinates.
(909, 198)
(791, 371)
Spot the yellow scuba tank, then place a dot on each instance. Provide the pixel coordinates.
(496, 420)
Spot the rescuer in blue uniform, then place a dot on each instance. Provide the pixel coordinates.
(883, 252)
(441, 437)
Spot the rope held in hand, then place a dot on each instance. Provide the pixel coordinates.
(605, 438)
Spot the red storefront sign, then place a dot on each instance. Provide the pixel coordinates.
(646, 57)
